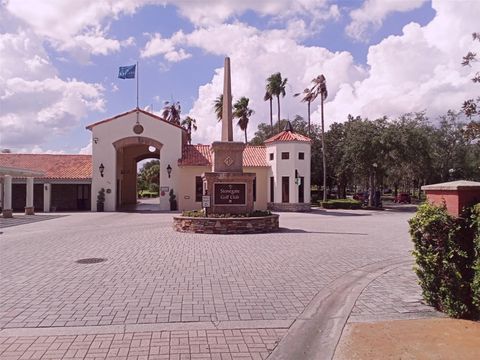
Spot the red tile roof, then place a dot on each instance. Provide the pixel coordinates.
(288, 136)
(71, 167)
(200, 155)
(91, 126)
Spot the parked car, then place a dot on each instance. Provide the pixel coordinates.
(403, 198)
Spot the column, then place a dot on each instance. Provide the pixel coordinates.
(29, 209)
(1, 194)
(47, 197)
(7, 201)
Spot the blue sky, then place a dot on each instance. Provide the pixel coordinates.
(57, 76)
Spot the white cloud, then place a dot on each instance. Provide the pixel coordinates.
(35, 102)
(418, 70)
(87, 149)
(166, 47)
(370, 16)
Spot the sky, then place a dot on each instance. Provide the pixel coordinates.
(59, 61)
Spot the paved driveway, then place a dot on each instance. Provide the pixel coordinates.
(167, 295)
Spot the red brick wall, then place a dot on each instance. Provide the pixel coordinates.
(455, 200)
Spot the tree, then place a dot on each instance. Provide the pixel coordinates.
(149, 176)
(218, 107)
(276, 87)
(190, 124)
(471, 107)
(171, 112)
(242, 112)
(320, 87)
(310, 94)
(268, 97)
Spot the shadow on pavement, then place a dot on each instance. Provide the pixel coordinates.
(301, 231)
(338, 213)
(26, 219)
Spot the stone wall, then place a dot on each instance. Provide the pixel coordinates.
(250, 225)
(297, 207)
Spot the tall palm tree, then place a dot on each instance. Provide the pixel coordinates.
(308, 97)
(276, 87)
(171, 112)
(190, 124)
(269, 97)
(218, 107)
(242, 112)
(320, 87)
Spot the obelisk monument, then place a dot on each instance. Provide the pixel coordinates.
(231, 189)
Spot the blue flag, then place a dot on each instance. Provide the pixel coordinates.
(127, 72)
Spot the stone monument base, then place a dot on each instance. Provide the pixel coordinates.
(230, 193)
(7, 213)
(30, 210)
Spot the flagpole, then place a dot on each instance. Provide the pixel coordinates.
(138, 75)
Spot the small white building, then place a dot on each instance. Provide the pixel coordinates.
(282, 166)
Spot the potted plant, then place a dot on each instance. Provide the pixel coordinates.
(100, 200)
(173, 200)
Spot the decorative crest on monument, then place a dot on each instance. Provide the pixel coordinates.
(227, 129)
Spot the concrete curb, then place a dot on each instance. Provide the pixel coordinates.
(316, 332)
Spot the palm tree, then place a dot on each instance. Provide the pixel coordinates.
(190, 124)
(269, 97)
(276, 87)
(308, 96)
(320, 87)
(171, 112)
(242, 112)
(218, 107)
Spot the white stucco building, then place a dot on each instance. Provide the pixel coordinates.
(282, 167)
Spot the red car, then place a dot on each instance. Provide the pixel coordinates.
(403, 198)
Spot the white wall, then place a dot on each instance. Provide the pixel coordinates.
(104, 152)
(280, 168)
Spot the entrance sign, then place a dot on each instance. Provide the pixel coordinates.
(205, 201)
(230, 194)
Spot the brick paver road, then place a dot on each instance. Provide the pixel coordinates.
(153, 275)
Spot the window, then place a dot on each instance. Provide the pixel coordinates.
(272, 189)
(285, 155)
(301, 191)
(285, 189)
(255, 189)
(270, 156)
(198, 188)
(301, 156)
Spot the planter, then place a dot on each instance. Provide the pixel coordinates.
(100, 207)
(233, 225)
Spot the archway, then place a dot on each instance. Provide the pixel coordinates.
(129, 151)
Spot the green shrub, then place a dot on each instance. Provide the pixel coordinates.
(444, 253)
(475, 220)
(341, 204)
(201, 213)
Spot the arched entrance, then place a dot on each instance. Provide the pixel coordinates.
(129, 151)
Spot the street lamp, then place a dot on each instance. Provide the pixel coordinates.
(323, 93)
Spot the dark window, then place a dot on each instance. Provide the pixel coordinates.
(271, 156)
(301, 156)
(198, 188)
(285, 155)
(301, 187)
(272, 189)
(254, 189)
(285, 189)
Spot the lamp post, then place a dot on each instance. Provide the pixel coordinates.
(373, 184)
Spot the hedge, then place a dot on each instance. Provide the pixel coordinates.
(475, 220)
(341, 204)
(447, 262)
